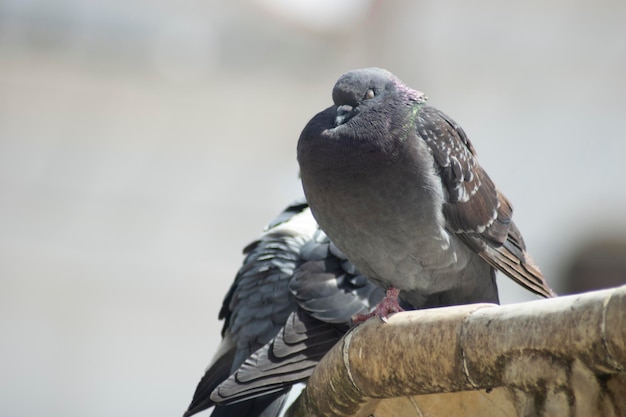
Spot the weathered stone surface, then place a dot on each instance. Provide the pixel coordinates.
(558, 357)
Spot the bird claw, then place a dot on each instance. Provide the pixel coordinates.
(388, 305)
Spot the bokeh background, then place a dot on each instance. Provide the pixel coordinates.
(144, 143)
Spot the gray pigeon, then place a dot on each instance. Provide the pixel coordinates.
(396, 185)
(294, 290)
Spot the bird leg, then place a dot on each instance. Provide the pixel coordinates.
(388, 305)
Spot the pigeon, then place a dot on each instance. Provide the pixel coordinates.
(396, 186)
(398, 193)
(295, 289)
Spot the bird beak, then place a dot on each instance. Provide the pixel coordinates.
(344, 113)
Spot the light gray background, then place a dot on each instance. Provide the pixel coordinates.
(144, 143)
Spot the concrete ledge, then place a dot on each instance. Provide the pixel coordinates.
(562, 356)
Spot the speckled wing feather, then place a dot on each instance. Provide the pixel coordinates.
(475, 210)
(256, 307)
(329, 291)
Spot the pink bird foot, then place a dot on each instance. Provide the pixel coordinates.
(387, 306)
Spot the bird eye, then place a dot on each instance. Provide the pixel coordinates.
(370, 94)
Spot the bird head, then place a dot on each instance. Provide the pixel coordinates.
(355, 88)
(359, 90)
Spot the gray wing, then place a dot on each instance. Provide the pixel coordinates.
(328, 287)
(256, 307)
(329, 291)
(475, 210)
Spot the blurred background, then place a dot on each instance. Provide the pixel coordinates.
(144, 143)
